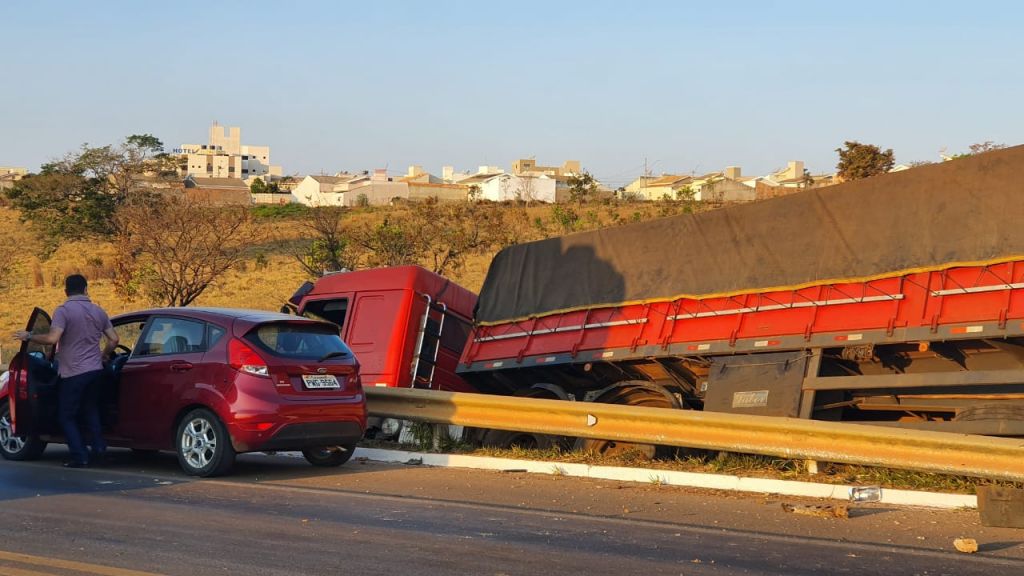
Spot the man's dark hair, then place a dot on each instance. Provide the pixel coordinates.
(75, 284)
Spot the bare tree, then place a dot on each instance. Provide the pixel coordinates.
(525, 191)
(393, 242)
(437, 235)
(171, 249)
(452, 231)
(986, 146)
(325, 247)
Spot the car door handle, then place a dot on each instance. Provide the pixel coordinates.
(181, 367)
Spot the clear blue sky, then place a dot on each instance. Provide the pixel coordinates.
(691, 86)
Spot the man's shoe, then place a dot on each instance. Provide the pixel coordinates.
(75, 464)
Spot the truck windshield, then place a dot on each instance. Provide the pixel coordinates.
(299, 341)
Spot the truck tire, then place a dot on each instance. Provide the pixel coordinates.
(329, 456)
(631, 396)
(526, 440)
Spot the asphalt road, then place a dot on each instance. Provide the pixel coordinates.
(281, 516)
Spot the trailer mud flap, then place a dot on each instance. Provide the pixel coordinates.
(761, 384)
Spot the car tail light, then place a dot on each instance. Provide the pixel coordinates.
(244, 359)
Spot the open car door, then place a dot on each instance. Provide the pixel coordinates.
(32, 397)
(34, 383)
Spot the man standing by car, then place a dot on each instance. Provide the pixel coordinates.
(77, 327)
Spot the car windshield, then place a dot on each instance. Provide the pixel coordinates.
(304, 341)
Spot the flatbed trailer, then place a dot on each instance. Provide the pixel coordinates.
(941, 350)
(895, 300)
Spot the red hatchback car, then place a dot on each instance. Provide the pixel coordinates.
(207, 383)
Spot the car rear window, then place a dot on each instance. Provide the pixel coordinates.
(302, 341)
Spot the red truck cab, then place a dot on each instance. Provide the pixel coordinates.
(405, 324)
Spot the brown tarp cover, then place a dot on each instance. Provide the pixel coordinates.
(968, 211)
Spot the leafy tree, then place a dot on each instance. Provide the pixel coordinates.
(806, 180)
(146, 142)
(63, 206)
(171, 249)
(326, 248)
(686, 193)
(76, 196)
(858, 160)
(566, 217)
(393, 242)
(258, 186)
(582, 187)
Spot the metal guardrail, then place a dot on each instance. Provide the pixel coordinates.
(941, 452)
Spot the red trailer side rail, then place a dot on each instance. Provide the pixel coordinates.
(959, 303)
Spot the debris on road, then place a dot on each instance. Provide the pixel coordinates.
(966, 545)
(865, 493)
(819, 510)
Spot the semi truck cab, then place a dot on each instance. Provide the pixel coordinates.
(406, 325)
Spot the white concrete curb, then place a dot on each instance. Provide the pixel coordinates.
(671, 478)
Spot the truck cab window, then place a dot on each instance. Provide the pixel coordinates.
(333, 310)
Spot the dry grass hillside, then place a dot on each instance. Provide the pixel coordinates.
(264, 281)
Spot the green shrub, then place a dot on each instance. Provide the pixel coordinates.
(290, 210)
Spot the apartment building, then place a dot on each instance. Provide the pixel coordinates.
(11, 174)
(224, 156)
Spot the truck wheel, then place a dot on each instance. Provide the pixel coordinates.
(523, 440)
(329, 456)
(17, 447)
(526, 440)
(631, 396)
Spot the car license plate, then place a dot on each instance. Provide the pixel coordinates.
(320, 381)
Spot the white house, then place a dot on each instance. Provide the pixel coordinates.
(326, 190)
(504, 187)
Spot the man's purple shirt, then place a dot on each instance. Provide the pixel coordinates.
(83, 323)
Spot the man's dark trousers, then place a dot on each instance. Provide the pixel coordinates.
(78, 395)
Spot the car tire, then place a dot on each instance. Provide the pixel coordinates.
(203, 444)
(330, 456)
(17, 447)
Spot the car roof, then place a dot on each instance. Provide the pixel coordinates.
(209, 313)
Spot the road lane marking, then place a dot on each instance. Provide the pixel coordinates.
(12, 571)
(64, 564)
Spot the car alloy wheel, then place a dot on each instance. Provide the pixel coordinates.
(16, 447)
(199, 443)
(10, 443)
(203, 446)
